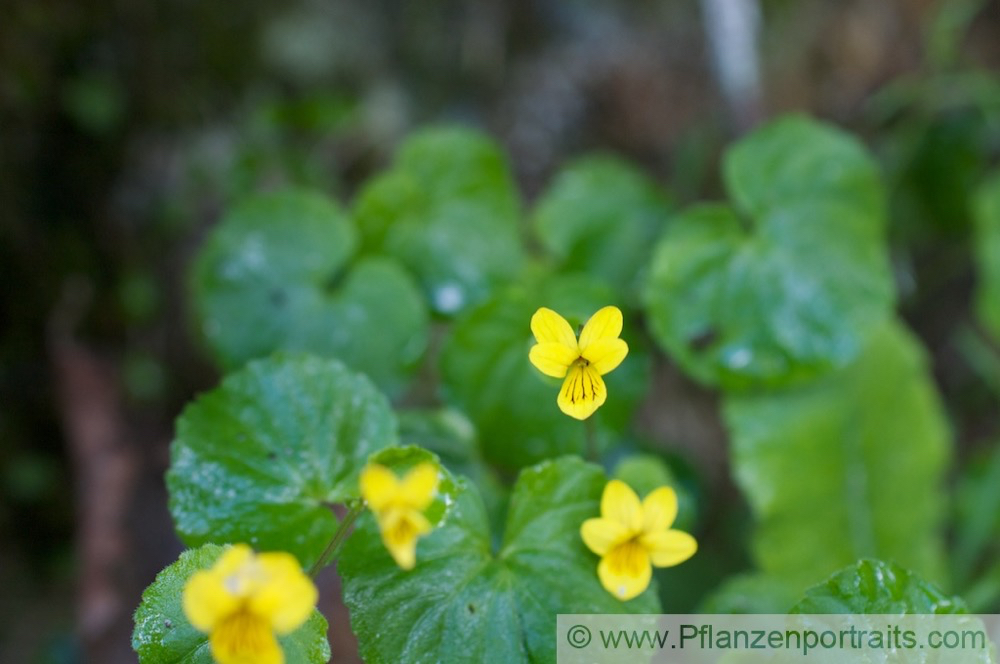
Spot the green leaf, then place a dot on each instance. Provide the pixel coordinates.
(261, 458)
(273, 275)
(600, 216)
(977, 515)
(862, 452)
(463, 602)
(987, 246)
(448, 209)
(793, 291)
(877, 587)
(796, 160)
(485, 371)
(163, 635)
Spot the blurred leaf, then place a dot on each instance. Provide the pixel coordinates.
(140, 297)
(987, 246)
(791, 303)
(485, 371)
(948, 30)
(934, 164)
(792, 293)
(797, 159)
(751, 593)
(448, 209)
(600, 216)
(982, 357)
(30, 477)
(977, 515)
(272, 277)
(163, 635)
(261, 458)
(874, 587)
(318, 112)
(850, 466)
(463, 602)
(95, 102)
(143, 376)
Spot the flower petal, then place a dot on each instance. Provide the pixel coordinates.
(287, 596)
(619, 503)
(243, 638)
(379, 486)
(552, 358)
(625, 572)
(400, 530)
(605, 354)
(669, 548)
(659, 509)
(419, 484)
(234, 559)
(548, 326)
(605, 324)
(582, 392)
(206, 601)
(602, 535)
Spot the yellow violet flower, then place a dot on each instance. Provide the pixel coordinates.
(631, 537)
(582, 361)
(399, 506)
(245, 600)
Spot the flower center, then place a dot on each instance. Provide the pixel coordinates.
(628, 558)
(242, 634)
(402, 531)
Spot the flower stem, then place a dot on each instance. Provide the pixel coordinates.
(355, 508)
(591, 435)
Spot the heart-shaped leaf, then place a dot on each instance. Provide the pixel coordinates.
(164, 636)
(447, 209)
(273, 275)
(600, 216)
(465, 602)
(797, 159)
(789, 287)
(261, 458)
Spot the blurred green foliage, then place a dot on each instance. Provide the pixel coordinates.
(121, 144)
(790, 293)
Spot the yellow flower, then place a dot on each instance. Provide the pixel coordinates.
(582, 362)
(399, 507)
(630, 537)
(244, 600)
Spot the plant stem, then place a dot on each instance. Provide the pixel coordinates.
(591, 435)
(355, 509)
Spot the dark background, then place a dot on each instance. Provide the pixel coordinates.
(127, 127)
